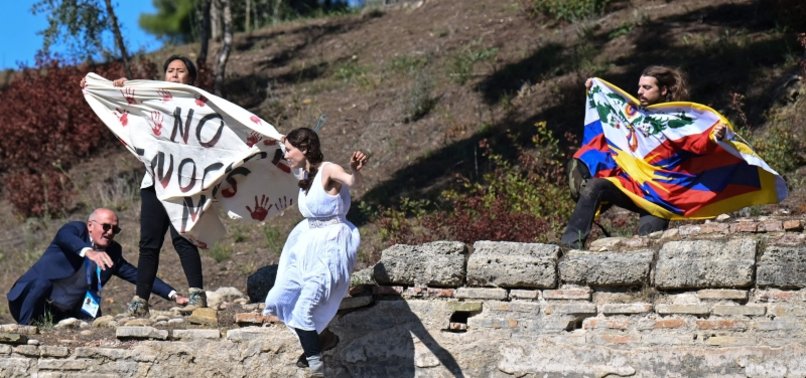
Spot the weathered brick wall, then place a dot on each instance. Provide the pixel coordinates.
(716, 299)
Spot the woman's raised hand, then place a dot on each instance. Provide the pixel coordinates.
(358, 160)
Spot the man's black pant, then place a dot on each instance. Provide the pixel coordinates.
(154, 222)
(596, 192)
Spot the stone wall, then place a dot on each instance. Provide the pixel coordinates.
(715, 299)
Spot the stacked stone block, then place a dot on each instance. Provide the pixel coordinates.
(714, 298)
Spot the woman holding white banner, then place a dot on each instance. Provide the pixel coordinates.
(319, 254)
(154, 220)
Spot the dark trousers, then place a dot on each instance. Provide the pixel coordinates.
(30, 303)
(33, 306)
(153, 224)
(58, 315)
(596, 192)
(310, 342)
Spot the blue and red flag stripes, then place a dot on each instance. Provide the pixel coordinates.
(666, 160)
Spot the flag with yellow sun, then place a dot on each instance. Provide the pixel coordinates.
(665, 158)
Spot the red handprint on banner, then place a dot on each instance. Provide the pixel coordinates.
(128, 94)
(260, 211)
(123, 116)
(201, 100)
(253, 138)
(156, 122)
(166, 96)
(255, 119)
(230, 192)
(269, 142)
(282, 203)
(196, 242)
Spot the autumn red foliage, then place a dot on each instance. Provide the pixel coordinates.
(47, 127)
(523, 202)
(471, 220)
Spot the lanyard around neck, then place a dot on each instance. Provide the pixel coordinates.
(89, 274)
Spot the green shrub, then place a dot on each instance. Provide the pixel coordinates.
(238, 234)
(402, 224)
(566, 10)
(407, 64)
(220, 252)
(523, 200)
(462, 64)
(350, 72)
(45, 322)
(118, 193)
(782, 147)
(780, 144)
(274, 238)
(420, 100)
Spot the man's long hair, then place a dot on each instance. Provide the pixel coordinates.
(672, 78)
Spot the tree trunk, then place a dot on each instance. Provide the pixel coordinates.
(276, 12)
(248, 23)
(203, 15)
(215, 21)
(223, 52)
(113, 20)
(204, 32)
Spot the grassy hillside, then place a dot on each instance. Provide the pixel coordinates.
(431, 88)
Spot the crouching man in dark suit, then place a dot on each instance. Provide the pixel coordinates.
(67, 280)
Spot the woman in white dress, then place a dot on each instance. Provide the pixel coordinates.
(318, 257)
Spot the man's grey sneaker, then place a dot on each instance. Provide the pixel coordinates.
(197, 297)
(138, 307)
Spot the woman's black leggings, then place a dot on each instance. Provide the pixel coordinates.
(309, 341)
(154, 222)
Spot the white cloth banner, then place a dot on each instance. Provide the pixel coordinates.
(201, 151)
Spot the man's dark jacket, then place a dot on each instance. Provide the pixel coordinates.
(61, 259)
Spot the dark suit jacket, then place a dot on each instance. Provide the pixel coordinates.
(61, 260)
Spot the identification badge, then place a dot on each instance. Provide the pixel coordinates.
(92, 302)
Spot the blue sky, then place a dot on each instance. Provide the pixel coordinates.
(19, 40)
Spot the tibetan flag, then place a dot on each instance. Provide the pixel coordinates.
(666, 160)
(202, 153)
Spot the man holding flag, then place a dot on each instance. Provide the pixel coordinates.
(661, 158)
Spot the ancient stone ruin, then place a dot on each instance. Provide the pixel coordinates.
(715, 299)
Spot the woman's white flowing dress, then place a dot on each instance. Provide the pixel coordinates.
(315, 266)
